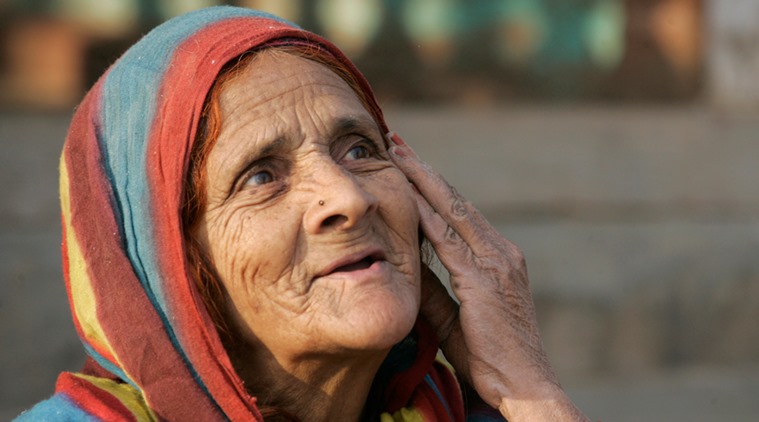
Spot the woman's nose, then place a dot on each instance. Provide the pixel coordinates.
(339, 202)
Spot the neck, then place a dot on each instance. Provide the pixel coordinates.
(312, 388)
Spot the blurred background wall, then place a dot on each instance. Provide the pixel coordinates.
(615, 141)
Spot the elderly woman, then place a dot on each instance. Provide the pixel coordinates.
(243, 240)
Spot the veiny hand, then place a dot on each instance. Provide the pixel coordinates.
(491, 337)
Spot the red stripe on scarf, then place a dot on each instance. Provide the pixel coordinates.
(449, 388)
(78, 131)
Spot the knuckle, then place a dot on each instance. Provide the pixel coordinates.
(451, 236)
(517, 256)
(459, 208)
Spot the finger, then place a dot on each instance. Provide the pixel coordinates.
(459, 213)
(453, 252)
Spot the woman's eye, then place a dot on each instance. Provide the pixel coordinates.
(260, 178)
(358, 152)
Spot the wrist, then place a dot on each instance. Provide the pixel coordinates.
(546, 403)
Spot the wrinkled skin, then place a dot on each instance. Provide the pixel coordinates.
(492, 336)
(300, 182)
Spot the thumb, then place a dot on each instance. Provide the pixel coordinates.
(437, 307)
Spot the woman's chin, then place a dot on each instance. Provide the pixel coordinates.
(378, 325)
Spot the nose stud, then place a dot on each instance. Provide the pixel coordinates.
(321, 202)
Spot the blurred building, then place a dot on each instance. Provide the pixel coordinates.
(462, 51)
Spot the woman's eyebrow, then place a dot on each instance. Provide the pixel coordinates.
(269, 148)
(264, 149)
(345, 125)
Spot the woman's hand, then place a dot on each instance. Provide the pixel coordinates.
(491, 337)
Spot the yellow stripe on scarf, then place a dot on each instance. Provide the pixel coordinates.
(125, 393)
(403, 415)
(82, 295)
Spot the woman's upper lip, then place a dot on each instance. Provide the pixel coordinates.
(374, 253)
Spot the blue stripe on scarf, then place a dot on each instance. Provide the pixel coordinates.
(440, 396)
(108, 365)
(56, 408)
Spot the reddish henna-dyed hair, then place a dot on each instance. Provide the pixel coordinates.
(194, 199)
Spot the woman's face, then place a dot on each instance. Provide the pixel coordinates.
(311, 228)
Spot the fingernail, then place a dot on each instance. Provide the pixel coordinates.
(396, 139)
(399, 152)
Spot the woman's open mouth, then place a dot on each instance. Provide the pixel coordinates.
(360, 265)
(355, 263)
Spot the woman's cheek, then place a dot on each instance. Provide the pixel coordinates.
(405, 190)
(398, 195)
(228, 230)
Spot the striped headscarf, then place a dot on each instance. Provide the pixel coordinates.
(153, 351)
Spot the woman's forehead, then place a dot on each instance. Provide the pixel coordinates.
(271, 69)
(278, 90)
(284, 100)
